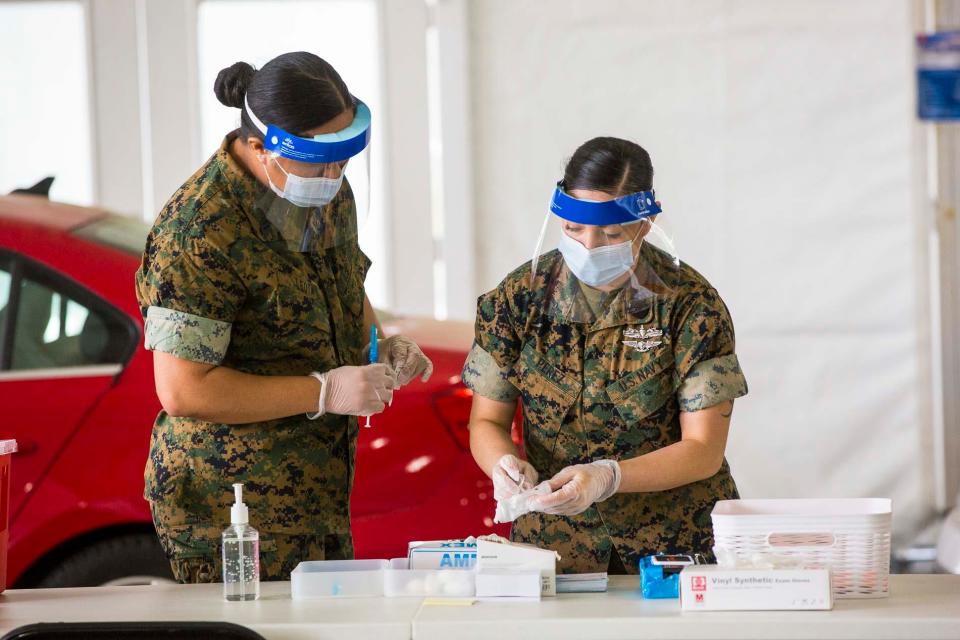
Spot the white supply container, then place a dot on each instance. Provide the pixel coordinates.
(400, 581)
(337, 579)
(509, 583)
(851, 537)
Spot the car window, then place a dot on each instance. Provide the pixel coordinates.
(5, 280)
(126, 234)
(4, 289)
(53, 330)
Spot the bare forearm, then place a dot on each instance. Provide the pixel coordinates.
(667, 468)
(697, 456)
(489, 442)
(231, 397)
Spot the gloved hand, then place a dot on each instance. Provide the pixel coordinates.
(355, 391)
(405, 357)
(578, 486)
(511, 476)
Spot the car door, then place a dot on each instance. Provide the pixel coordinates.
(61, 348)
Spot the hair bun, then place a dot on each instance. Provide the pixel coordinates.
(232, 82)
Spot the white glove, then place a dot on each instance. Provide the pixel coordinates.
(405, 357)
(355, 391)
(578, 486)
(511, 476)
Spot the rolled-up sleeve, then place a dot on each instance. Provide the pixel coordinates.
(711, 382)
(707, 367)
(189, 296)
(486, 378)
(186, 335)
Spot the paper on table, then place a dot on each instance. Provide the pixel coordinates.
(449, 602)
(582, 582)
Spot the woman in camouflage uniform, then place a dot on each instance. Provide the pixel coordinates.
(625, 371)
(252, 290)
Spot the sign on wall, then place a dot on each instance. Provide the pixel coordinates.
(938, 75)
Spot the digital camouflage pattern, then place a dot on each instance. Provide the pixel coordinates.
(613, 388)
(193, 548)
(186, 335)
(219, 285)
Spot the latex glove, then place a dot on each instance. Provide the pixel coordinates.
(405, 357)
(578, 486)
(511, 476)
(355, 391)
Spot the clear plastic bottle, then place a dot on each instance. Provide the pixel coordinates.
(241, 553)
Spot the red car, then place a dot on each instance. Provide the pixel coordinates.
(77, 391)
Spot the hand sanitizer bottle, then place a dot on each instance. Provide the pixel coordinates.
(241, 553)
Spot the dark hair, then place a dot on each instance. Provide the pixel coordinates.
(295, 91)
(611, 165)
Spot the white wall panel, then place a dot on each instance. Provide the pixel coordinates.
(782, 137)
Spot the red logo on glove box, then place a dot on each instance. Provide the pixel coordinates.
(699, 583)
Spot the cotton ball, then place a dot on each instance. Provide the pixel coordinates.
(444, 577)
(463, 588)
(458, 584)
(432, 583)
(415, 586)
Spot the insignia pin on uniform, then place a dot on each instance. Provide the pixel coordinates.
(643, 345)
(641, 333)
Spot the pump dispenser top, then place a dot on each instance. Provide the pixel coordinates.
(238, 512)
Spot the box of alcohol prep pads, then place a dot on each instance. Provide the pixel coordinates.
(442, 554)
(712, 588)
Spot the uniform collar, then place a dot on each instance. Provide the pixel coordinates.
(570, 304)
(246, 190)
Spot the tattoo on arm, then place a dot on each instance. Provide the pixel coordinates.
(728, 413)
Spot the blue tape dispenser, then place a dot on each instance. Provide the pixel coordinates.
(660, 574)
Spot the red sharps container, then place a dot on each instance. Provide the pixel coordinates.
(7, 448)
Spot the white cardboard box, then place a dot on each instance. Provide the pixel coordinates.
(442, 554)
(712, 588)
(514, 556)
(508, 583)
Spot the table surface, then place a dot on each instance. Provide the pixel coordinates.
(919, 606)
(274, 615)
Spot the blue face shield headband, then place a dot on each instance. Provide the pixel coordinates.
(632, 207)
(324, 148)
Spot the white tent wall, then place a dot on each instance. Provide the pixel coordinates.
(786, 156)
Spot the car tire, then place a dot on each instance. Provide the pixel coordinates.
(133, 558)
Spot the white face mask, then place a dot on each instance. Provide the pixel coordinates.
(596, 267)
(306, 192)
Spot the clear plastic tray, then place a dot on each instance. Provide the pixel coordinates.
(337, 579)
(399, 581)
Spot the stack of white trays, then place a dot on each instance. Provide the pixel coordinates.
(851, 537)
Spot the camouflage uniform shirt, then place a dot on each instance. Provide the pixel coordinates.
(218, 285)
(591, 391)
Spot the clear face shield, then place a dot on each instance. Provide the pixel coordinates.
(319, 187)
(612, 256)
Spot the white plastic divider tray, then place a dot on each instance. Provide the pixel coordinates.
(337, 578)
(401, 581)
